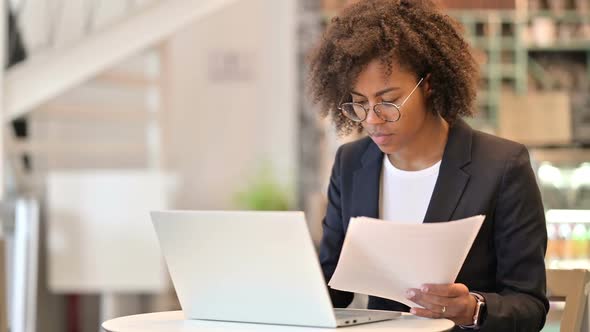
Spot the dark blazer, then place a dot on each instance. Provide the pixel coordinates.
(479, 174)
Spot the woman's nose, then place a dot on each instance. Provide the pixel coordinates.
(372, 117)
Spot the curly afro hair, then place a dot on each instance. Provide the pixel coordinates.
(414, 34)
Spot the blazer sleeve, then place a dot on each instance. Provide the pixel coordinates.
(520, 241)
(333, 235)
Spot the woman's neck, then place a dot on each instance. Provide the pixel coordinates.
(426, 149)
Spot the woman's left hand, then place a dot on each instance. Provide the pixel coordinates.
(451, 301)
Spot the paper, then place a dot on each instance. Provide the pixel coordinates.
(385, 258)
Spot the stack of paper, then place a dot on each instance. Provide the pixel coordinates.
(385, 259)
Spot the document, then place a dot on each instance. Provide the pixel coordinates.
(386, 258)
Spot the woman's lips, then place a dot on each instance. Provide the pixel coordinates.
(381, 139)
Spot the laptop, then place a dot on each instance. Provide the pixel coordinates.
(245, 266)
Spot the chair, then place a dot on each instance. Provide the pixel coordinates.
(571, 286)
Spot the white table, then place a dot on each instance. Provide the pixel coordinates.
(174, 321)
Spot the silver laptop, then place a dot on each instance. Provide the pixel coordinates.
(257, 267)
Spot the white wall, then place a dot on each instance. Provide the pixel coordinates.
(226, 119)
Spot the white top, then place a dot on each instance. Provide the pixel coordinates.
(174, 321)
(405, 195)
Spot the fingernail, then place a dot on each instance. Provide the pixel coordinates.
(425, 289)
(410, 294)
(413, 311)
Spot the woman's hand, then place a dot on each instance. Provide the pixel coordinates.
(451, 301)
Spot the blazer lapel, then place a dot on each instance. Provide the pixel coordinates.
(452, 179)
(366, 184)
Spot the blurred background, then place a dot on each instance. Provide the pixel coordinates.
(116, 108)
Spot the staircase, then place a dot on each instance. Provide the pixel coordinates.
(53, 72)
(111, 121)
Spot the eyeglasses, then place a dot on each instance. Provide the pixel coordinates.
(386, 111)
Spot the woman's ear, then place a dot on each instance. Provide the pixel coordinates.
(427, 85)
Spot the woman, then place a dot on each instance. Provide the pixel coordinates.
(401, 72)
